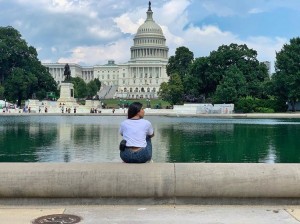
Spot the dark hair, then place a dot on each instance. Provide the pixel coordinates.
(133, 109)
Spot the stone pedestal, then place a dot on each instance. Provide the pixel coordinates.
(67, 94)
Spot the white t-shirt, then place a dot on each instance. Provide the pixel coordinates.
(135, 132)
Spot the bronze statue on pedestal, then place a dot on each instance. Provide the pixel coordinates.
(67, 73)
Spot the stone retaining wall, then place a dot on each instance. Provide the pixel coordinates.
(154, 180)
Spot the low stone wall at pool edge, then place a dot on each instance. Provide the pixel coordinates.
(153, 180)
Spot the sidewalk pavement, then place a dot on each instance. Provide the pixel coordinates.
(160, 214)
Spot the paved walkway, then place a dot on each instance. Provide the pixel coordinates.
(131, 214)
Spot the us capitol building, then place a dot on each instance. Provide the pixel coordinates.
(140, 77)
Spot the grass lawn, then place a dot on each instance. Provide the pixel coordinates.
(115, 103)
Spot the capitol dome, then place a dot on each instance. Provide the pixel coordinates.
(149, 41)
(149, 26)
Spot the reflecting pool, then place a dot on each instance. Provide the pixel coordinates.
(177, 139)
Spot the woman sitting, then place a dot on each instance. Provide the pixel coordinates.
(137, 133)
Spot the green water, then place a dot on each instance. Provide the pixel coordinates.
(96, 138)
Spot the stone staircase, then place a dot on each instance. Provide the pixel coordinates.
(107, 92)
(111, 92)
(103, 91)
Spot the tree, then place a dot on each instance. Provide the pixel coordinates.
(210, 71)
(180, 63)
(172, 91)
(13, 51)
(92, 89)
(98, 83)
(83, 90)
(286, 79)
(80, 87)
(19, 85)
(19, 61)
(199, 80)
(1, 92)
(232, 87)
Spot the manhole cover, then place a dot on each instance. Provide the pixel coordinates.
(57, 219)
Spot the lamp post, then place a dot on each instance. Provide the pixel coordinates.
(148, 103)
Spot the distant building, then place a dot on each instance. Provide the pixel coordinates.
(268, 64)
(140, 77)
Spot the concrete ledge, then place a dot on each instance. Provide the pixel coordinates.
(86, 180)
(166, 181)
(238, 180)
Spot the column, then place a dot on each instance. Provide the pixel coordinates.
(143, 73)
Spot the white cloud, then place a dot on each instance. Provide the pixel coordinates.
(203, 40)
(82, 7)
(92, 55)
(266, 47)
(102, 33)
(218, 9)
(69, 6)
(126, 25)
(172, 13)
(38, 49)
(256, 11)
(171, 38)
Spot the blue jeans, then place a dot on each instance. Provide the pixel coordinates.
(141, 156)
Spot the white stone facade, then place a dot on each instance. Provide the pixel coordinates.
(140, 77)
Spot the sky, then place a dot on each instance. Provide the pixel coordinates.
(91, 32)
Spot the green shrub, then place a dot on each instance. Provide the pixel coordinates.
(264, 110)
(245, 105)
(252, 105)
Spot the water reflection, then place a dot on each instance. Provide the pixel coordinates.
(96, 138)
(270, 157)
